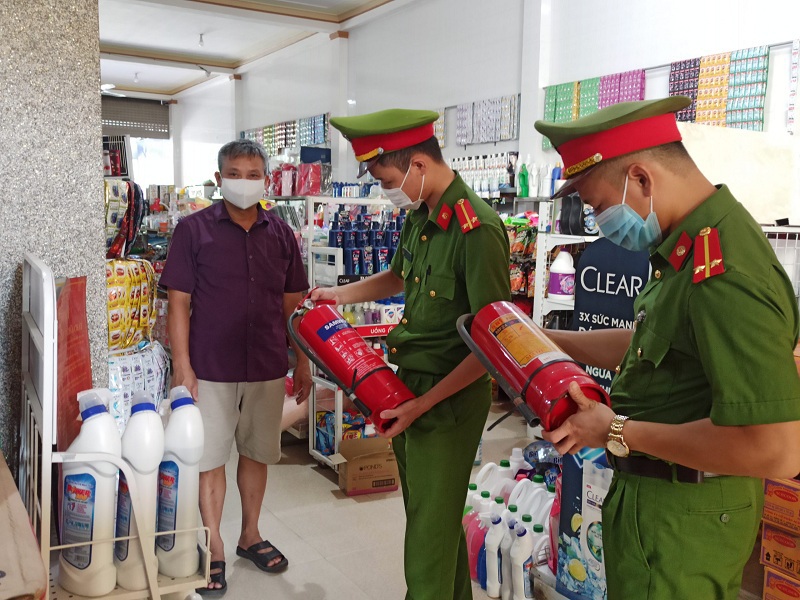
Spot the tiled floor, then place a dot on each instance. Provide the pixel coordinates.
(339, 548)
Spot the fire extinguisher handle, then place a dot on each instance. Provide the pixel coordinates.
(304, 303)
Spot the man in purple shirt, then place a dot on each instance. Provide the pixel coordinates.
(234, 275)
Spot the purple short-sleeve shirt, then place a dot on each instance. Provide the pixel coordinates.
(237, 280)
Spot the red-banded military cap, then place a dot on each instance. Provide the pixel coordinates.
(614, 131)
(378, 133)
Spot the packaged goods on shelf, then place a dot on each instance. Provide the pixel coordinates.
(146, 370)
(782, 503)
(777, 586)
(130, 285)
(780, 550)
(354, 426)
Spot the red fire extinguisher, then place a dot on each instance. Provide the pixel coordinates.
(337, 349)
(527, 364)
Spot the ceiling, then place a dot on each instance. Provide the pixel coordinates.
(153, 46)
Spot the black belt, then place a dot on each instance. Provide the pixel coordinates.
(648, 467)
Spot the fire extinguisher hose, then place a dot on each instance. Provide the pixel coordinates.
(464, 326)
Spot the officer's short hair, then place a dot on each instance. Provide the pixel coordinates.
(238, 148)
(401, 159)
(673, 156)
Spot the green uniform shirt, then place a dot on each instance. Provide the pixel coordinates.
(447, 273)
(720, 348)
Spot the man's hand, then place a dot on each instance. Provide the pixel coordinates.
(406, 414)
(588, 427)
(185, 376)
(302, 381)
(326, 293)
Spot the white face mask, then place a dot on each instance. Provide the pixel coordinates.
(400, 199)
(243, 193)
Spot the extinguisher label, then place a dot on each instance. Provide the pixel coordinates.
(519, 340)
(331, 328)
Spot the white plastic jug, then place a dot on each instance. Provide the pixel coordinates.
(87, 511)
(178, 487)
(506, 583)
(143, 449)
(521, 563)
(517, 461)
(494, 558)
(504, 489)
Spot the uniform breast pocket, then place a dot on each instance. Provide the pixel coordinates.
(437, 301)
(651, 373)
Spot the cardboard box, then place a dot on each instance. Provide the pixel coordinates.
(778, 586)
(782, 503)
(366, 466)
(780, 550)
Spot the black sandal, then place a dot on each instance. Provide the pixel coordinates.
(262, 559)
(217, 578)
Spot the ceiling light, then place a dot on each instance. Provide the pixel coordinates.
(201, 43)
(350, 101)
(136, 78)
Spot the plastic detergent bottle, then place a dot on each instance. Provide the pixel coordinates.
(472, 491)
(87, 511)
(521, 563)
(143, 449)
(509, 535)
(553, 533)
(476, 534)
(178, 487)
(562, 277)
(494, 558)
(512, 512)
(517, 461)
(537, 498)
(543, 515)
(540, 550)
(480, 503)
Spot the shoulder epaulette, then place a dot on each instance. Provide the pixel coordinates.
(466, 216)
(707, 255)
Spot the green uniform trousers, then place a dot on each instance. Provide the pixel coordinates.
(435, 457)
(664, 540)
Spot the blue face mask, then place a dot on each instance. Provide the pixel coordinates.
(626, 228)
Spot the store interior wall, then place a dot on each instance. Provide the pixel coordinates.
(200, 123)
(51, 198)
(590, 39)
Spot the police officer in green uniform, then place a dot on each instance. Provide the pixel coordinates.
(706, 400)
(452, 259)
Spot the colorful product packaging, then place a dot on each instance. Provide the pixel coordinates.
(778, 586)
(782, 503)
(780, 549)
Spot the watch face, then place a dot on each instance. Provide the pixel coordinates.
(617, 448)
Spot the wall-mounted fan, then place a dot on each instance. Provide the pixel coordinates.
(106, 88)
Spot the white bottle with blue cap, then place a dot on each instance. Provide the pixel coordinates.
(87, 511)
(179, 487)
(143, 449)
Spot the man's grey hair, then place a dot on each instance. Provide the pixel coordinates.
(239, 148)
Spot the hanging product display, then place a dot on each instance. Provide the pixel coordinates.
(589, 96)
(747, 88)
(712, 89)
(683, 78)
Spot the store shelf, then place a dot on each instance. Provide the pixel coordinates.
(374, 330)
(558, 239)
(332, 200)
(551, 304)
(166, 585)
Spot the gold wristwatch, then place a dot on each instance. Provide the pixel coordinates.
(616, 443)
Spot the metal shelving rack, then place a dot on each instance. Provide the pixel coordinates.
(38, 433)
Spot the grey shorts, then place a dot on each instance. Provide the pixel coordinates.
(249, 412)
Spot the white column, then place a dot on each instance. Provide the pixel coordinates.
(340, 147)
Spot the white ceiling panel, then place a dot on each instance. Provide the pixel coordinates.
(172, 30)
(152, 78)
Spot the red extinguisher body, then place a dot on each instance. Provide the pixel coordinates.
(531, 363)
(340, 351)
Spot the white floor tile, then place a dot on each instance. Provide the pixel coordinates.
(338, 547)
